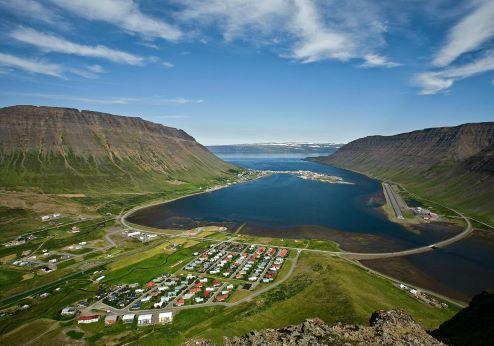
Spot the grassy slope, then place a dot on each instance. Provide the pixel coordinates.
(73, 174)
(324, 287)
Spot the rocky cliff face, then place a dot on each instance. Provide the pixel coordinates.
(454, 165)
(40, 145)
(392, 327)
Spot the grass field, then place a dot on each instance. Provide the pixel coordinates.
(147, 269)
(321, 286)
(315, 244)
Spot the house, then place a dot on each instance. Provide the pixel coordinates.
(100, 278)
(150, 284)
(188, 296)
(68, 311)
(146, 299)
(180, 302)
(165, 317)
(229, 287)
(145, 319)
(198, 299)
(110, 320)
(216, 283)
(221, 297)
(194, 290)
(128, 318)
(88, 319)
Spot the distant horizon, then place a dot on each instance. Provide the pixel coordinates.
(261, 141)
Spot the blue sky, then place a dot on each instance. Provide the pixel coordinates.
(232, 71)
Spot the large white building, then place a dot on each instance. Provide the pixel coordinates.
(145, 319)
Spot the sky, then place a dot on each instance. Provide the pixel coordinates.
(238, 71)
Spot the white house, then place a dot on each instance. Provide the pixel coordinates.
(88, 319)
(68, 311)
(143, 320)
(128, 318)
(165, 317)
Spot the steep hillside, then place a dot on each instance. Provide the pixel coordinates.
(67, 150)
(453, 165)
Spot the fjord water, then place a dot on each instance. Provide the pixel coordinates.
(283, 205)
(286, 206)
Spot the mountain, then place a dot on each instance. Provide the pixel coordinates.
(64, 149)
(275, 148)
(452, 165)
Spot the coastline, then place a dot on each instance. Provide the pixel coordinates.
(125, 223)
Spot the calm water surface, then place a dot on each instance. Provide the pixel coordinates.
(286, 206)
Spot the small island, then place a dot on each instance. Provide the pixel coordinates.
(309, 175)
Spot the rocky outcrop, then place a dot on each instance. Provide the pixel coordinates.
(454, 165)
(393, 327)
(82, 149)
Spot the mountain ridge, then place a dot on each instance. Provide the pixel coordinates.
(39, 144)
(452, 165)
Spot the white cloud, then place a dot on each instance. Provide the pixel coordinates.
(30, 65)
(178, 100)
(375, 60)
(30, 9)
(303, 30)
(469, 34)
(122, 13)
(73, 98)
(316, 41)
(168, 64)
(436, 81)
(96, 68)
(153, 100)
(52, 43)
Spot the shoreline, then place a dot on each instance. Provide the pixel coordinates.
(125, 223)
(353, 257)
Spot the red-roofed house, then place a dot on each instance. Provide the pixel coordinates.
(221, 297)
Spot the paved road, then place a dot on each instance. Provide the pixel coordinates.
(466, 232)
(390, 195)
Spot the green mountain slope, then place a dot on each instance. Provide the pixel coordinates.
(67, 150)
(452, 165)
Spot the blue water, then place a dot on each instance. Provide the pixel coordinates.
(286, 206)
